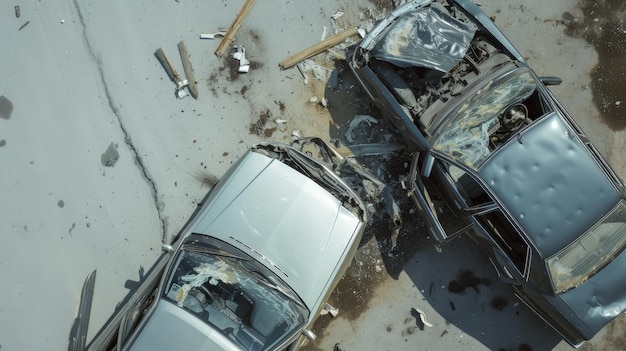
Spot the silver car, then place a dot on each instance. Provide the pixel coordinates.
(254, 266)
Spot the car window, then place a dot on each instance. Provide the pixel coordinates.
(473, 193)
(506, 237)
(591, 252)
(236, 296)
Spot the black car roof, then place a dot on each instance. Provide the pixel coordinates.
(550, 183)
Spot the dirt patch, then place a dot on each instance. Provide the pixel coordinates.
(466, 279)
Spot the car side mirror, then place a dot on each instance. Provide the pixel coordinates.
(309, 334)
(550, 80)
(427, 166)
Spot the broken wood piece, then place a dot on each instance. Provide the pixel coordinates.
(317, 48)
(171, 72)
(234, 27)
(188, 68)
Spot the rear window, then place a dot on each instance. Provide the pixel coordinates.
(584, 257)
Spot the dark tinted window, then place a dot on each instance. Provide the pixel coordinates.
(506, 237)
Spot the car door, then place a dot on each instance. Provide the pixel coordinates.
(446, 196)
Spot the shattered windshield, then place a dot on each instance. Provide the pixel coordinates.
(236, 296)
(466, 137)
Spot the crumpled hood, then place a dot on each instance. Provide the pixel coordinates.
(601, 298)
(422, 35)
(284, 220)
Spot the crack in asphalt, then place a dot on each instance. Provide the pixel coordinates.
(127, 138)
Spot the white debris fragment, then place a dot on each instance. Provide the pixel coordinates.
(337, 15)
(324, 33)
(296, 134)
(212, 35)
(280, 122)
(313, 99)
(62, 21)
(362, 32)
(240, 55)
(328, 309)
(617, 103)
(324, 102)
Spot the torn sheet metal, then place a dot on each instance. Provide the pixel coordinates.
(427, 37)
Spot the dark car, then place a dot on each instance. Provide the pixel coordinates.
(498, 157)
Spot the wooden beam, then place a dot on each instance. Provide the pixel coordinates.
(317, 48)
(234, 27)
(188, 68)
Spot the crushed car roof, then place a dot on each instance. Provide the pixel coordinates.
(550, 183)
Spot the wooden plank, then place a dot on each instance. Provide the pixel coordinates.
(234, 27)
(167, 65)
(188, 68)
(317, 48)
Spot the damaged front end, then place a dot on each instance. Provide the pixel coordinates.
(343, 177)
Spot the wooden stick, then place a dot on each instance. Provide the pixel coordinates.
(188, 68)
(317, 48)
(167, 65)
(234, 27)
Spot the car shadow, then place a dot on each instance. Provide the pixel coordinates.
(455, 278)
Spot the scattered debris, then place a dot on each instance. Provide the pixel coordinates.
(324, 33)
(302, 71)
(219, 33)
(319, 47)
(24, 25)
(17, 11)
(337, 15)
(358, 119)
(280, 122)
(328, 309)
(296, 135)
(234, 27)
(313, 99)
(420, 318)
(171, 72)
(188, 68)
(324, 102)
(62, 21)
(240, 55)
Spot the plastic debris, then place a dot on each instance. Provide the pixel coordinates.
(280, 122)
(240, 55)
(220, 33)
(337, 15)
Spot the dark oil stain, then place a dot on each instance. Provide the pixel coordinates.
(499, 303)
(408, 331)
(6, 107)
(3, 142)
(61, 204)
(389, 328)
(205, 179)
(604, 28)
(243, 90)
(452, 306)
(281, 106)
(110, 156)
(466, 279)
(72, 228)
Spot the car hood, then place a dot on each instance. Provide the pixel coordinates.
(423, 34)
(601, 298)
(172, 328)
(284, 220)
